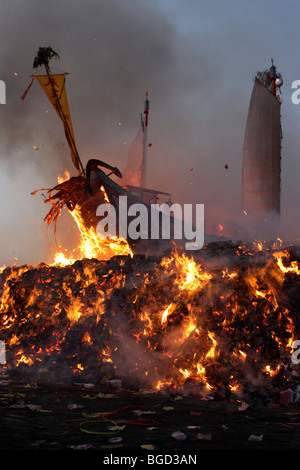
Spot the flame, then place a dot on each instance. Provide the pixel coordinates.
(292, 268)
(172, 321)
(74, 311)
(186, 374)
(86, 338)
(23, 359)
(61, 179)
(91, 245)
(259, 246)
(167, 312)
(272, 372)
(61, 260)
(253, 285)
(243, 355)
(189, 275)
(211, 352)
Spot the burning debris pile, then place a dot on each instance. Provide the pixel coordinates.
(221, 322)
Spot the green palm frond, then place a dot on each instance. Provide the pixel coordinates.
(43, 56)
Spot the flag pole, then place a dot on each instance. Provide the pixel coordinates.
(145, 139)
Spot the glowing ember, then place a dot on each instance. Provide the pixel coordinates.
(225, 327)
(91, 245)
(61, 260)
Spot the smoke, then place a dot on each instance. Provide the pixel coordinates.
(195, 60)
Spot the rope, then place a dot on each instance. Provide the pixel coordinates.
(105, 416)
(104, 433)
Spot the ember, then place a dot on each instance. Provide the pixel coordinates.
(220, 323)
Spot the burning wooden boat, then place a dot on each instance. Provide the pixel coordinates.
(94, 186)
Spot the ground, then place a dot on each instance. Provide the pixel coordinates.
(51, 417)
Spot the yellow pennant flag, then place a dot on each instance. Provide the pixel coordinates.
(54, 87)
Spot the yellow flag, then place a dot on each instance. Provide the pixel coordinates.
(54, 87)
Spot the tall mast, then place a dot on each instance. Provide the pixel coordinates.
(145, 139)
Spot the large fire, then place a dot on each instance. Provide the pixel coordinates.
(91, 246)
(222, 321)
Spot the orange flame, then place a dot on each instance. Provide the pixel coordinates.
(91, 246)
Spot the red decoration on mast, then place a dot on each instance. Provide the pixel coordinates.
(145, 140)
(273, 76)
(146, 110)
